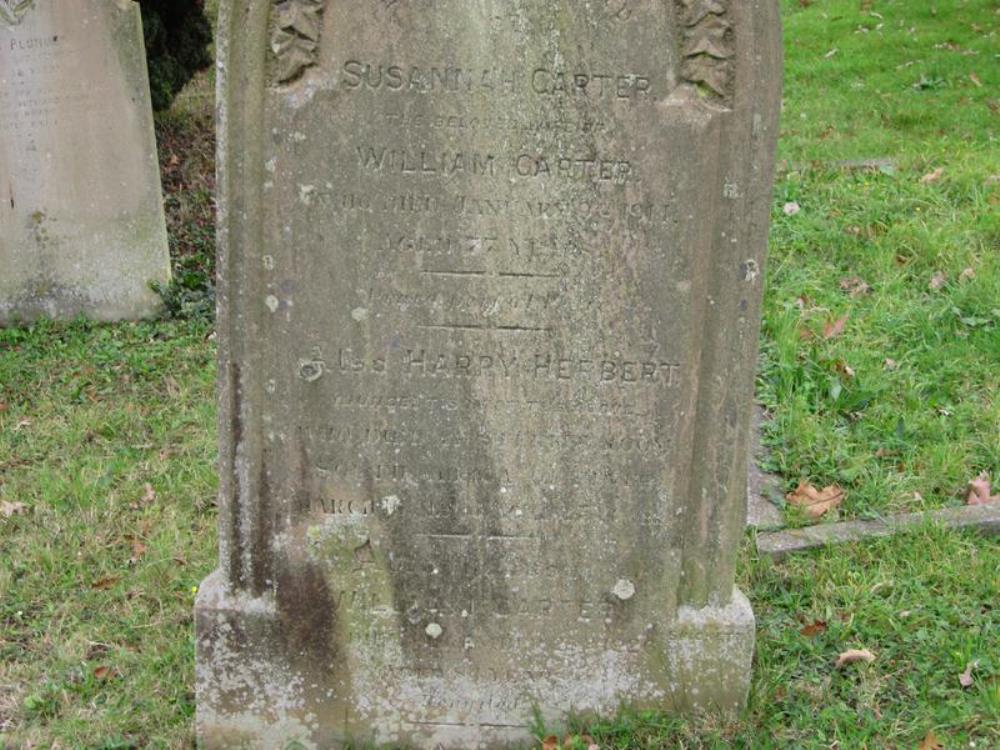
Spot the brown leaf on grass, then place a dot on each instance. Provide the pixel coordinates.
(813, 629)
(3, 407)
(975, 79)
(891, 364)
(855, 286)
(845, 369)
(12, 509)
(102, 584)
(931, 742)
(980, 491)
(937, 281)
(138, 551)
(106, 673)
(965, 679)
(836, 327)
(934, 176)
(148, 496)
(173, 387)
(855, 656)
(967, 275)
(550, 743)
(814, 502)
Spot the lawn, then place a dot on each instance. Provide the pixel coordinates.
(880, 372)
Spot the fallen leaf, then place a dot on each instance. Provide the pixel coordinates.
(173, 387)
(981, 491)
(138, 551)
(965, 679)
(831, 53)
(12, 509)
(550, 743)
(967, 274)
(891, 364)
(815, 502)
(3, 407)
(975, 79)
(854, 656)
(845, 369)
(814, 628)
(22, 424)
(792, 208)
(104, 583)
(937, 281)
(834, 328)
(855, 286)
(106, 673)
(931, 742)
(934, 176)
(148, 494)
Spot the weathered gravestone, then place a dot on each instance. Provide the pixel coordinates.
(81, 217)
(490, 291)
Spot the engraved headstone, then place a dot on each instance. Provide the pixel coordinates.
(490, 287)
(81, 216)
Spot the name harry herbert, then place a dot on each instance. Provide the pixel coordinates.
(422, 363)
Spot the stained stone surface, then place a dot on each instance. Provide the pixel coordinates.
(489, 303)
(81, 217)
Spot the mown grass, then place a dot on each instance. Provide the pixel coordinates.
(910, 87)
(107, 432)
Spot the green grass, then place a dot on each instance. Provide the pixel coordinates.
(911, 437)
(96, 589)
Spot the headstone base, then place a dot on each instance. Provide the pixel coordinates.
(256, 690)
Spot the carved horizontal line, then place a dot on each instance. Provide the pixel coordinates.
(488, 537)
(433, 272)
(500, 274)
(467, 327)
(516, 275)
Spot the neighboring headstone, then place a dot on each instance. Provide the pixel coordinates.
(81, 214)
(490, 288)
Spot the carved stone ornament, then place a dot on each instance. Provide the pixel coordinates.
(13, 11)
(295, 40)
(707, 46)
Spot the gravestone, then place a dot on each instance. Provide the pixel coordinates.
(81, 216)
(490, 287)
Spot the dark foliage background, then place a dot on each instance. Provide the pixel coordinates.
(178, 38)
